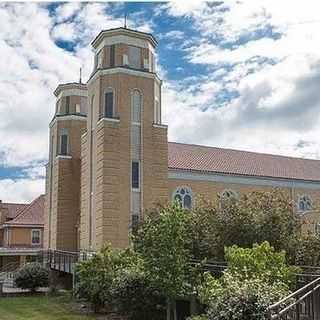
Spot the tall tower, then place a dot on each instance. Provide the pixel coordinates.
(63, 169)
(125, 151)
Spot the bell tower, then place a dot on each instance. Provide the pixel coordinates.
(125, 150)
(62, 203)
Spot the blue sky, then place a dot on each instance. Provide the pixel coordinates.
(236, 74)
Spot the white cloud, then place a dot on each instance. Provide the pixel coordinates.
(31, 67)
(21, 191)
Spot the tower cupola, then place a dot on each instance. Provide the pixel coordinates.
(122, 47)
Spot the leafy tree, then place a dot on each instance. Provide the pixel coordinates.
(308, 250)
(253, 218)
(164, 244)
(32, 276)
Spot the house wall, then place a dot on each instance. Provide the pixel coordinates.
(21, 237)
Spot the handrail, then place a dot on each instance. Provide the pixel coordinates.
(291, 305)
(292, 295)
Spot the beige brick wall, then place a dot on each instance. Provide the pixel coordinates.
(111, 161)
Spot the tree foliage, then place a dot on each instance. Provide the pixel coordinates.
(32, 276)
(164, 244)
(255, 217)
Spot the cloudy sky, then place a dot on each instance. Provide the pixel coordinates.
(237, 74)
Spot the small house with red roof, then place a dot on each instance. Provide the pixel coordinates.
(21, 231)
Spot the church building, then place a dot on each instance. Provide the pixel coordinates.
(110, 159)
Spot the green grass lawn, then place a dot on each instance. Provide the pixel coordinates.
(39, 308)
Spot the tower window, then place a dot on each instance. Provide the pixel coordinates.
(134, 57)
(67, 105)
(112, 55)
(136, 107)
(135, 175)
(64, 143)
(108, 103)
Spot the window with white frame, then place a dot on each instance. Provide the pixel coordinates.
(35, 237)
(183, 195)
(304, 203)
(317, 228)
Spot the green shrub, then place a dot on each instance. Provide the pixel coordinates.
(134, 296)
(95, 276)
(255, 279)
(260, 261)
(32, 276)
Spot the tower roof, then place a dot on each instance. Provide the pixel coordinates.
(124, 31)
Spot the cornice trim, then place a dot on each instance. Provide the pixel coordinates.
(67, 117)
(125, 70)
(244, 180)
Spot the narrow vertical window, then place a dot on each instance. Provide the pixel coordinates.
(112, 55)
(136, 107)
(78, 110)
(64, 143)
(67, 105)
(108, 104)
(135, 175)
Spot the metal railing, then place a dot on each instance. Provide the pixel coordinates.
(60, 260)
(303, 304)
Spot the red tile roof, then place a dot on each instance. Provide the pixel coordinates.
(33, 214)
(12, 209)
(227, 161)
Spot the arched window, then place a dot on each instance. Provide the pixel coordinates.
(109, 103)
(229, 195)
(183, 195)
(304, 203)
(136, 106)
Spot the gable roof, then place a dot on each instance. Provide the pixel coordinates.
(33, 214)
(12, 209)
(228, 161)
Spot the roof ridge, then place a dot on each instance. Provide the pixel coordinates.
(23, 211)
(244, 151)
